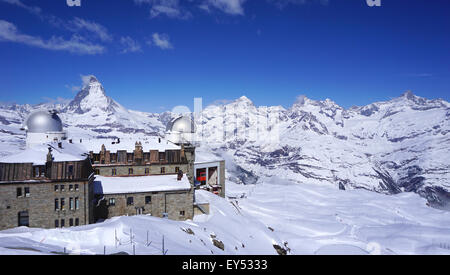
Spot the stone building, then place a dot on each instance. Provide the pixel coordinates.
(170, 196)
(151, 156)
(143, 179)
(46, 186)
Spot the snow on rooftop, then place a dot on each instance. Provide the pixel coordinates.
(38, 154)
(128, 144)
(136, 184)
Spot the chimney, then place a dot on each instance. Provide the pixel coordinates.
(179, 175)
(49, 155)
(70, 140)
(60, 145)
(81, 141)
(159, 140)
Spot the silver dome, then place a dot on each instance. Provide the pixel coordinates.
(43, 122)
(181, 124)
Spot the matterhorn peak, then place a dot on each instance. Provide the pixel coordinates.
(91, 97)
(93, 79)
(88, 80)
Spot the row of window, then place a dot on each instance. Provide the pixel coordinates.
(130, 201)
(129, 157)
(26, 192)
(71, 222)
(131, 171)
(72, 187)
(60, 204)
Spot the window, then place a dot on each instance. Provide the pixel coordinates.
(130, 157)
(56, 188)
(23, 218)
(70, 172)
(61, 188)
(113, 172)
(77, 203)
(112, 201)
(148, 199)
(181, 213)
(77, 187)
(70, 187)
(70, 222)
(130, 171)
(19, 191)
(62, 222)
(63, 204)
(97, 171)
(71, 206)
(113, 157)
(77, 222)
(96, 157)
(163, 170)
(130, 201)
(162, 156)
(56, 223)
(27, 191)
(177, 169)
(36, 172)
(147, 171)
(56, 204)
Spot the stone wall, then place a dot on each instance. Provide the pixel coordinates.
(172, 203)
(40, 203)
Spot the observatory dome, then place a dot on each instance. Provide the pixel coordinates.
(43, 122)
(181, 124)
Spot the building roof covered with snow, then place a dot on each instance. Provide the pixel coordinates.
(38, 154)
(129, 144)
(142, 184)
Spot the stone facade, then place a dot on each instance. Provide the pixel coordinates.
(153, 162)
(177, 204)
(33, 198)
(60, 193)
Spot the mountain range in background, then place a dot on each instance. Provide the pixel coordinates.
(400, 145)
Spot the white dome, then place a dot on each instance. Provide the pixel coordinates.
(181, 124)
(43, 122)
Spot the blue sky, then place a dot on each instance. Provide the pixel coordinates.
(152, 55)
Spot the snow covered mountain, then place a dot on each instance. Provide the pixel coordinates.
(400, 145)
(394, 146)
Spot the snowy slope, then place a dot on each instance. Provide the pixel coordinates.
(299, 218)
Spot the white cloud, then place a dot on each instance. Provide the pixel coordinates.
(162, 41)
(130, 45)
(73, 88)
(31, 9)
(100, 31)
(76, 44)
(169, 8)
(233, 7)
